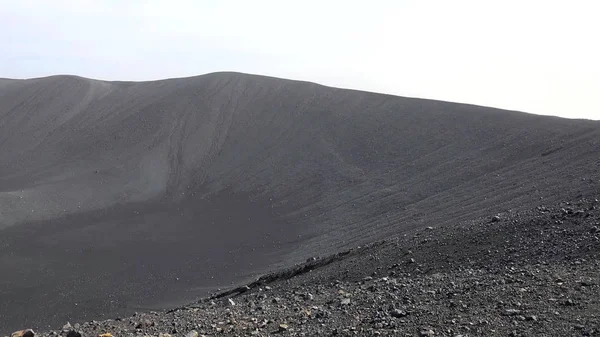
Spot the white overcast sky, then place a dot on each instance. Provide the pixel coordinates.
(535, 56)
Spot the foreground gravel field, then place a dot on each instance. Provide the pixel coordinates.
(528, 273)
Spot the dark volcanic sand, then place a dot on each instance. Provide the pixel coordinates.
(530, 273)
(122, 196)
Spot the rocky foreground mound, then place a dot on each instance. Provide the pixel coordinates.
(526, 273)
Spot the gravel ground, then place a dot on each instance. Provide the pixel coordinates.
(525, 273)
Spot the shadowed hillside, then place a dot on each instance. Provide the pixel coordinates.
(117, 196)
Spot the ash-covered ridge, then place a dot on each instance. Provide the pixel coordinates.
(124, 196)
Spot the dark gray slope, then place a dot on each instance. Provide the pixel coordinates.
(531, 273)
(117, 195)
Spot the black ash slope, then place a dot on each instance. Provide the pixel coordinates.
(123, 195)
(533, 272)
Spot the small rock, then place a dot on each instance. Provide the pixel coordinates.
(283, 327)
(67, 327)
(579, 326)
(531, 318)
(594, 229)
(231, 302)
(511, 312)
(398, 313)
(345, 301)
(73, 333)
(144, 324)
(23, 333)
(427, 333)
(308, 297)
(192, 333)
(495, 218)
(412, 260)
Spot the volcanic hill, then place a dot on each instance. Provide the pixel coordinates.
(125, 196)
